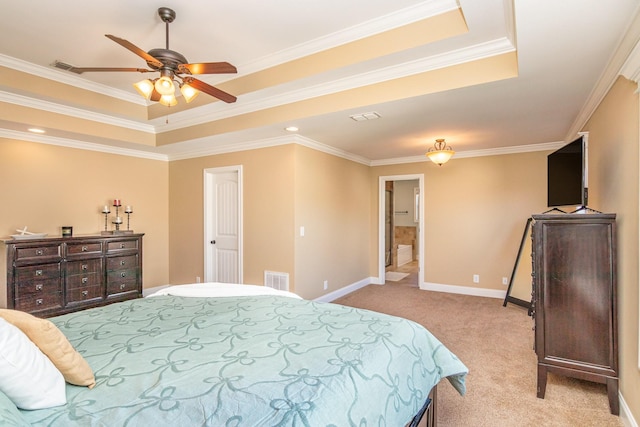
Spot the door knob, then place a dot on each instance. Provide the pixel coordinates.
(213, 242)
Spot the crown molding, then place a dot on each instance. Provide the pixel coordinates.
(213, 112)
(474, 153)
(262, 143)
(624, 61)
(81, 145)
(266, 143)
(70, 79)
(52, 107)
(399, 18)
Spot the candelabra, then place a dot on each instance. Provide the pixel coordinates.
(117, 220)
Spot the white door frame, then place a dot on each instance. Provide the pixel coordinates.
(208, 228)
(381, 233)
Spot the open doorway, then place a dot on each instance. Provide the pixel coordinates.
(401, 237)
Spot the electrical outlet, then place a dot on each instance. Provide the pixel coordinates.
(505, 281)
(476, 278)
(197, 279)
(326, 285)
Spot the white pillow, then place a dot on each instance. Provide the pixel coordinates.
(27, 376)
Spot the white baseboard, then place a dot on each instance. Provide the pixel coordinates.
(331, 296)
(464, 290)
(625, 414)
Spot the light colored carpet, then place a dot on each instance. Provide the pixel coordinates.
(496, 344)
(394, 276)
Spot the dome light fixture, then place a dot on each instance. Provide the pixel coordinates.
(440, 153)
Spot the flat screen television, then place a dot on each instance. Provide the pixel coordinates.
(567, 175)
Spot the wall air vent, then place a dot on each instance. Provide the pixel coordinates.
(276, 280)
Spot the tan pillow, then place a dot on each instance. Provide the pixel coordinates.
(52, 342)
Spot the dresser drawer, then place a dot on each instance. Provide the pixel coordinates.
(120, 275)
(122, 263)
(84, 248)
(38, 288)
(37, 272)
(38, 303)
(37, 253)
(84, 294)
(83, 280)
(122, 245)
(83, 267)
(122, 284)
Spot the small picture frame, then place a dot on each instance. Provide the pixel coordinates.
(67, 231)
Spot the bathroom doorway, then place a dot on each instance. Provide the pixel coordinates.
(401, 238)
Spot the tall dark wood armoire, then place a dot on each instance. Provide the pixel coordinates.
(574, 299)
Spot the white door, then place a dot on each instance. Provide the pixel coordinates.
(223, 225)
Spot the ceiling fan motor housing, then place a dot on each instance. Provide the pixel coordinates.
(169, 58)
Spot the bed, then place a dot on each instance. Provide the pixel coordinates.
(243, 355)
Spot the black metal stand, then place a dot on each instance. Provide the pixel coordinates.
(508, 297)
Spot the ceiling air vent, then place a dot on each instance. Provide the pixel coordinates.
(62, 65)
(365, 116)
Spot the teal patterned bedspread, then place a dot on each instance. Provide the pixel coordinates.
(248, 361)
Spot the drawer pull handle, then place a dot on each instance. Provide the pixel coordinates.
(85, 293)
(122, 286)
(122, 245)
(85, 280)
(38, 272)
(39, 301)
(123, 274)
(85, 249)
(39, 287)
(123, 262)
(39, 252)
(85, 267)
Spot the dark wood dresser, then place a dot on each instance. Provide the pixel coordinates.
(574, 299)
(52, 276)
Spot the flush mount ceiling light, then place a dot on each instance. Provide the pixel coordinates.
(291, 129)
(36, 130)
(440, 153)
(173, 67)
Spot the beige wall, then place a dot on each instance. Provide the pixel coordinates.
(284, 188)
(332, 204)
(475, 210)
(613, 187)
(268, 196)
(45, 187)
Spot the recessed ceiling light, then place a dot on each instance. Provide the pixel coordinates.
(291, 129)
(35, 130)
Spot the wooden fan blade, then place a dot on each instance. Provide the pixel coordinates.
(135, 49)
(208, 68)
(80, 70)
(155, 96)
(213, 91)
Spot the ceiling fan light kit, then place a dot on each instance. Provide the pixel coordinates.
(173, 67)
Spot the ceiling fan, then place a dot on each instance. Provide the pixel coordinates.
(171, 65)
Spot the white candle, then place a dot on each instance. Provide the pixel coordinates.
(118, 220)
(105, 209)
(128, 209)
